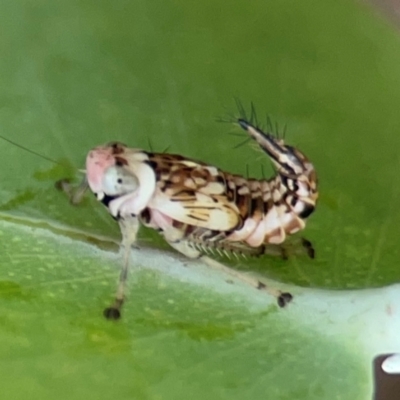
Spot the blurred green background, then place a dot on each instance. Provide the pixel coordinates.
(75, 74)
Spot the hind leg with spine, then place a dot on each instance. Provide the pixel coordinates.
(175, 240)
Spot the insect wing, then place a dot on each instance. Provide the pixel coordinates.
(193, 193)
(198, 210)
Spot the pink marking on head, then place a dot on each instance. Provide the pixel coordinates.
(97, 161)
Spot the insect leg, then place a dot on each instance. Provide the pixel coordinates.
(129, 229)
(283, 298)
(293, 246)
(75, 194)
(176, 239)
(309, 247)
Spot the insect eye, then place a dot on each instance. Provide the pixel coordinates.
(118, 181)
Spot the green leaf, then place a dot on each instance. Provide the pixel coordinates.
(154, 74)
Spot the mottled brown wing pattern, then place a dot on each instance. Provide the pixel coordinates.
(198, 189)
(209, 195)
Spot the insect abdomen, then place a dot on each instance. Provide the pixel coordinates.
(272, 209)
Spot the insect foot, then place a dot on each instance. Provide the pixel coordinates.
(308, 246)
(284, 299)
(114, 312)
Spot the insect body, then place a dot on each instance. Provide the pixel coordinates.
(197, 207)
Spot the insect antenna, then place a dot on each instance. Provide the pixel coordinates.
(29, 150)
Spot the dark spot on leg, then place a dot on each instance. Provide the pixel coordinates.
(114, 312)
(284, 299)
(261, 285)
